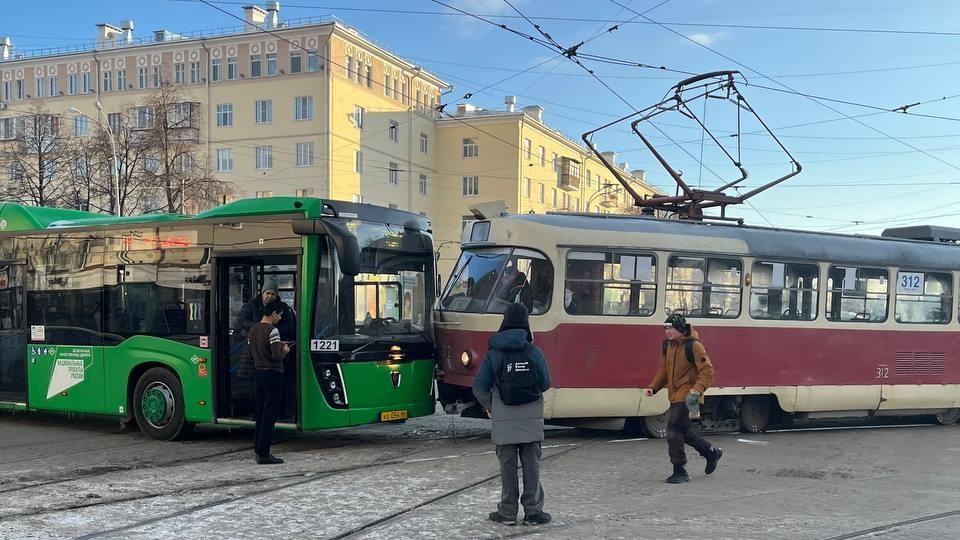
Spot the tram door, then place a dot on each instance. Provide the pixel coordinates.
(241, 283)
(13, 337)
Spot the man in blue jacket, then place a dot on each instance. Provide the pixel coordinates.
(517, 429)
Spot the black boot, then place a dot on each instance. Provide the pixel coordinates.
(679, 475)
(712, 459)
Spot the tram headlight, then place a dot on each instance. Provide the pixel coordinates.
(466, 358)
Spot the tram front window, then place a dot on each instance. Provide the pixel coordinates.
(488, 280)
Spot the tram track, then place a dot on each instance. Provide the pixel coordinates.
(890, 526)
(354, 532)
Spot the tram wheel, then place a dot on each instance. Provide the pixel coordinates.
(158, 405)
(947, 417)
(755, 413)
(655, 427)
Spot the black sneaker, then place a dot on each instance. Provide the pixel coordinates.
(715, 455)
(268, 460)
(500, 518)
(679, 475)
(537, 519)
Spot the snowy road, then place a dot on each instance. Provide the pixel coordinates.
(437, 478)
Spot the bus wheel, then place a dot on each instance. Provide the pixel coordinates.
(949, 416)
(158, 405)
(755, 413)
(655, 427)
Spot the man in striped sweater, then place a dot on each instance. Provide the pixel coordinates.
(268, 353)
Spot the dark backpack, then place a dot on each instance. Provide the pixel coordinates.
(518, 381)
(687, 348)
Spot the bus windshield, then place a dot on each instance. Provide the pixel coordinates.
(490, 279)
(394, 290)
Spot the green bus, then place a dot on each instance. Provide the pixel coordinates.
(143, 317)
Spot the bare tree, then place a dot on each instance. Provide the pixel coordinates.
(37, 155)
(174, 135)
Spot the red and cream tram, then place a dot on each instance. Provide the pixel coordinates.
(810, 324)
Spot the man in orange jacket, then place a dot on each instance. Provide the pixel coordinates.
(684, 379)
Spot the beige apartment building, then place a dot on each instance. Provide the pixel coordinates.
(314, 108)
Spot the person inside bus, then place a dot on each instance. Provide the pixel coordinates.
(268, 352)
(513, 286)
(252, 312)
(686, 376)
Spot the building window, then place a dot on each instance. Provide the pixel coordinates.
(358, 116)
(396, 88)
(264, 194)
(348, 68)
(141, 77)
(296, 62)
(527, 149)
(263, 111)
(704, 287)
(86, 84)
(303, 107)
(38, 86)
(71, 84)
(53, 86)
(20, 89)
(542, 156)
(526, 187)
(470, 148)
(358, 161)
(589, 177)
(271, 64)
(576, 204)
(394, 174)
(224, 114)
(156, 77)
(541, 195)
(556, 162)
(386, 85)
(423, 143)
(857, 294)
(304, 192)
(313, 61)
(115, 120)
(232, 68)
(224, 160)
(369, 76)
(471, 186)
(81, 125)
(178, 73)
(423, 184)
(216, 69)
(121, 79)
(254, 66)
(107, 81)
(305, 154)
(194, 72)
(394, 131)
(264, 157)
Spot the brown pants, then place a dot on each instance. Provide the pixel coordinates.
(679, 432)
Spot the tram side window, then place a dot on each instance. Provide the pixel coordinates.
(704, 287)
(784, 291)
(857, 294)
(610, 283)
(924, 297)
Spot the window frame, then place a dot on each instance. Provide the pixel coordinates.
(950, 296)
(817, 290)
(602, 281)
(829, 291)
(706, 258)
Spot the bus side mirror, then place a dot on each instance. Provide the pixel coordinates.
(348, 249)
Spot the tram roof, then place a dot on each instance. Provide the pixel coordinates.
(15, 217)
(758, 241)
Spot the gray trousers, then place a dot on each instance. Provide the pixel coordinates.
(532, 497)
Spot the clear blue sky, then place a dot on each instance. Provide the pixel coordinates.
(852, 171)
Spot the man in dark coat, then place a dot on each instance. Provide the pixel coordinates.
(517, 429)
(252, 312)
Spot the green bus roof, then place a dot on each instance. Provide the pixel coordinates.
(15, 217)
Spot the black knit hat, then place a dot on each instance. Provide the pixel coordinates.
(516, 317)
(678, 323)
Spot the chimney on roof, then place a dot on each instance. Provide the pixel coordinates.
(624, 166)
(464, 108)
(273, 14)
(127, 27)
(639, 175)
(254, 17)
(511, 103)
(107, 33)
(611, 157)
(535, 112)
(5, 47)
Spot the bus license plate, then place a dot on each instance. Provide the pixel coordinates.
(390, 416)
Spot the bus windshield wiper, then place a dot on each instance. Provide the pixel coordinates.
(353, 353)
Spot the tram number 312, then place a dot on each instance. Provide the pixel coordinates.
(883, 372)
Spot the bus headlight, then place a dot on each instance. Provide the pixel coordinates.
(466, 359)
